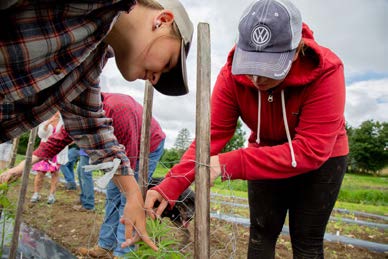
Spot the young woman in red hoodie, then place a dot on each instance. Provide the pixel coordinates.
(290, 92)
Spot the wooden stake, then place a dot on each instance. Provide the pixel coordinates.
(22, 195)
(202, 170)
(145, 138)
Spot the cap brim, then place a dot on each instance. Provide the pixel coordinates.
(268, 64)
(174, 82)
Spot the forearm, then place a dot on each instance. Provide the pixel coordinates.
(18, 170)
(127, 184)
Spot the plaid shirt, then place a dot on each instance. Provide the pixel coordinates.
(51, 56)
(126, 114)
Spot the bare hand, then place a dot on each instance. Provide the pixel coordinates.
(134, 215)
(151, 198)
(134, 219)
(4, 177)
(7, 177)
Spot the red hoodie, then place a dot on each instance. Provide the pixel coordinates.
(314, 99)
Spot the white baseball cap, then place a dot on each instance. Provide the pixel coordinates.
(174, 82)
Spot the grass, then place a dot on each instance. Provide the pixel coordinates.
(160, 171)
(362, 196)
(364, 190)
(374, 209)
(365, 181)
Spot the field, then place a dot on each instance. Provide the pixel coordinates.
(73, 229)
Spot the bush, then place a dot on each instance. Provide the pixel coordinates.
(170, 157)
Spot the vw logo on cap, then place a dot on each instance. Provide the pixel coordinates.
(260, 35)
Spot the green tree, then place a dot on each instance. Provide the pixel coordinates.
(170, 157)
(238, 139)
(367, 143)
(182, 141)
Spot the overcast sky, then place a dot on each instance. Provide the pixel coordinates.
(354, 29)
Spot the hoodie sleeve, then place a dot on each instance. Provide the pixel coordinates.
(321, 123)
(224, 114)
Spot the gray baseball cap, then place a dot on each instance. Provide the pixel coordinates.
(174, 82)
(269, 34)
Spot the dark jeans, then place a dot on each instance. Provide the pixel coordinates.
(309, 200)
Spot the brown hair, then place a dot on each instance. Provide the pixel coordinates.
(156, 6)
(302, 48)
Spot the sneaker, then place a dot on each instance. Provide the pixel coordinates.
(71, 186)
(51, 199)
(35, 197)
(95, 252)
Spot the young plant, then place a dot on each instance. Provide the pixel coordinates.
(159, 232)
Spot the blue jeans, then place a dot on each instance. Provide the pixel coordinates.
(112, 233)
(68, 168)
(86, 184)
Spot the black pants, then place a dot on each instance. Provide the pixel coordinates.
(309, 200)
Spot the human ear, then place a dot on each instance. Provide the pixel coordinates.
(164, 17)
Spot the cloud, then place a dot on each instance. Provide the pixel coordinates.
(367, 100)
(354, 29)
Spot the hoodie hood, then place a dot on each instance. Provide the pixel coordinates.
(303, 71)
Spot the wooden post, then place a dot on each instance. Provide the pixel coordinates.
(22, 195)
(14, 152)
(202, 170)
(145, 138)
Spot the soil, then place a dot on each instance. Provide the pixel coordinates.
(72, 228)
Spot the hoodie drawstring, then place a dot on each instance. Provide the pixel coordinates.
(293, 161)
(258, 118)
